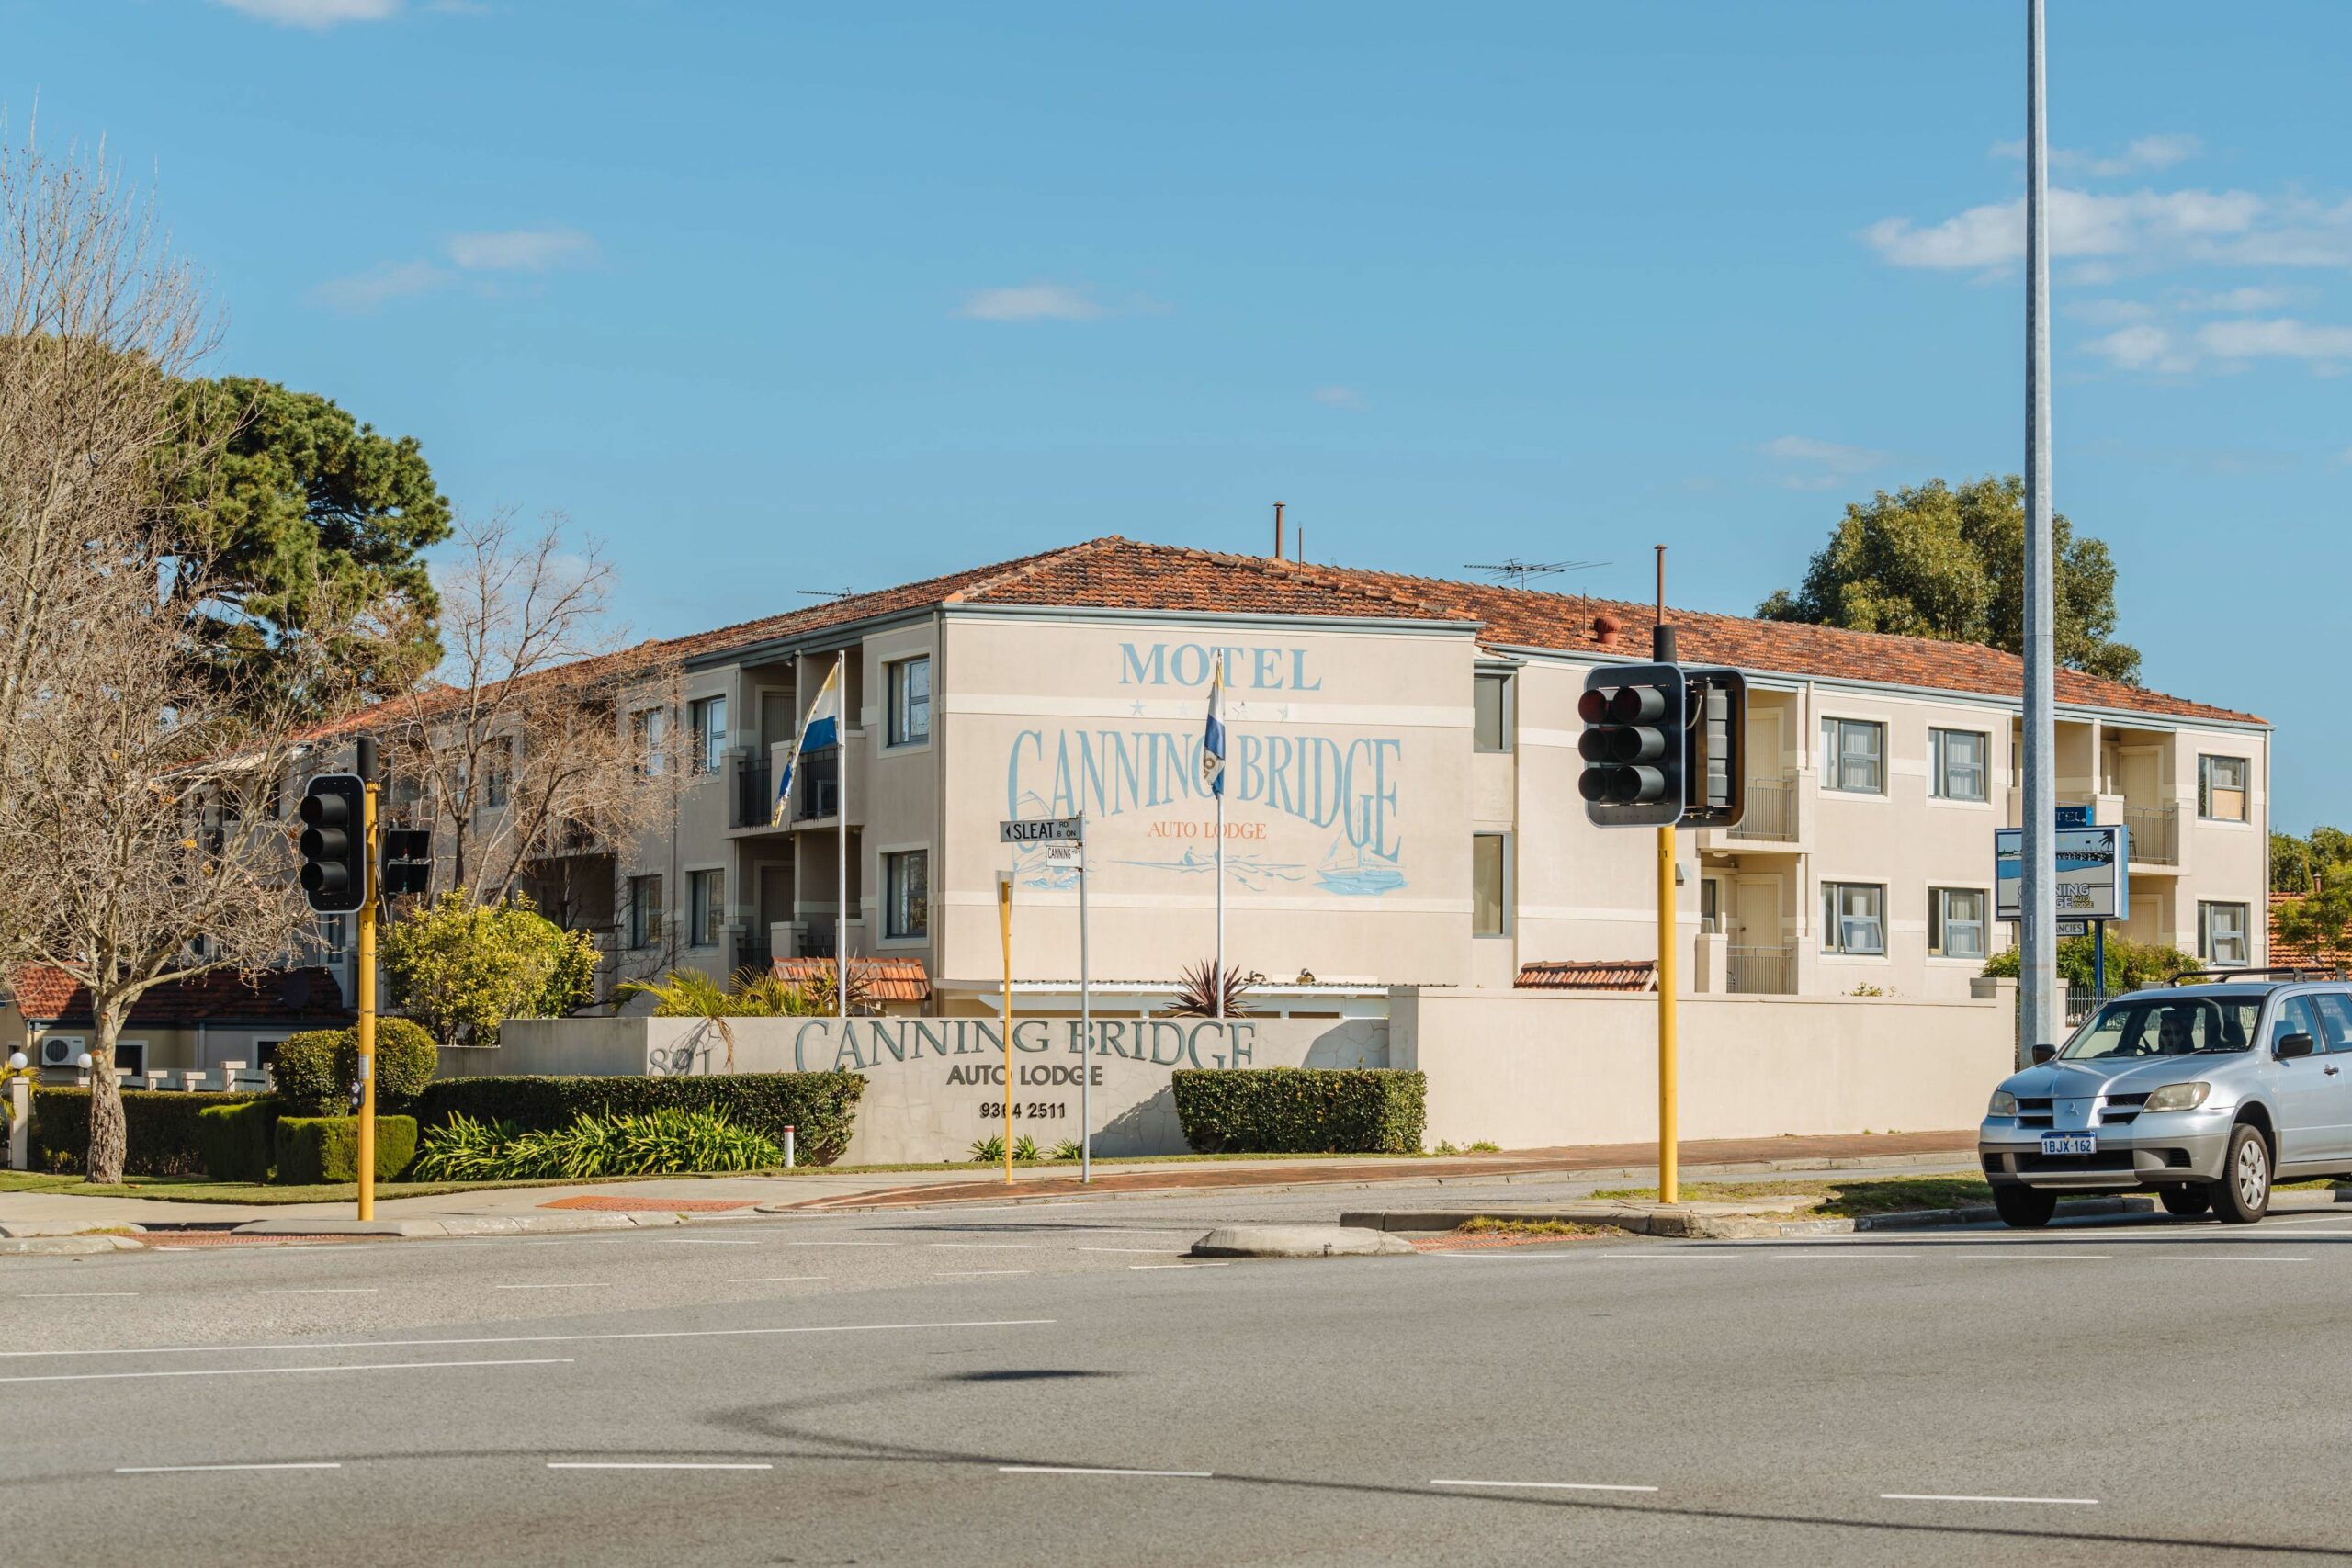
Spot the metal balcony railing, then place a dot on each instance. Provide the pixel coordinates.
(2154, 833)
(1770, 971)
(1771, 814)
(816, 785)
(754, 792)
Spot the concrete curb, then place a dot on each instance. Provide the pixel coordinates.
(460, 1226)
(68, 1246)
(1693, 1226)
(1297, 1241)
(96, 1227)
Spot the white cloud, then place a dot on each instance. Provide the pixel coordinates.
(2140, 347)
(1832, 455)
(2138, 225)
(2282, 337)
(521, 250)
(2238, 302)
(379, 285)
(2145, 154)
(1338, 396)
(2109, 312)
(1033, 302)
(316, 14)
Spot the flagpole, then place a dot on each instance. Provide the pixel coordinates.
(841, 805)
(1220, 987)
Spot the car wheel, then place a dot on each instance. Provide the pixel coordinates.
(2027, 1208)
(2186, 1202)
(2243, 1195)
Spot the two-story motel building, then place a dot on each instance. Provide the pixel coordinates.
(1401, 800)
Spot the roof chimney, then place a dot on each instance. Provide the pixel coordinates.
(1278, 530)
(1605, 628)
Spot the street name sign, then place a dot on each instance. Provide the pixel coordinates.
(1044, 830)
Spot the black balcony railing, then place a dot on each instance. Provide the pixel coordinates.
(816, 787)
(754, 792)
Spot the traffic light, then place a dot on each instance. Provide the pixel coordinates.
(1635, 745)
(334, 844)
(1717, 765)
(407, 861)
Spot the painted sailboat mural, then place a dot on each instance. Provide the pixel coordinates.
(1358, 871)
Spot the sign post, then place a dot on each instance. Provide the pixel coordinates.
(2093, 886)
(1064, 839)
(1004, 928)
(1085, 1024)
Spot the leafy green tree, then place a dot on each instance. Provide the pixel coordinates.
(2130, 964)
(2315, 925)
(298, 508)
(462, 971)
(1936, 561)
(2302, 865)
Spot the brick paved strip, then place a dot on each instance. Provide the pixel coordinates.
(1762, 1154)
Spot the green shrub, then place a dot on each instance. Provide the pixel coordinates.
(2130, 964)
(314, 1149)
(239, 1142)
(988, 1150)
(160, 1129)
(1300, 1109)
(462, 969)
(1069, 1148)
(820, 1107)
(317, 1071)
(661, 1143)
(1024, 1150)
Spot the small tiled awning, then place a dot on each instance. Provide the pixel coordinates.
(887, 979)
(1589, 975)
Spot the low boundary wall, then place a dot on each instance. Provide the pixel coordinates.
(1529, 1071)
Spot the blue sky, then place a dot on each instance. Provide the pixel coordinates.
(773, 297)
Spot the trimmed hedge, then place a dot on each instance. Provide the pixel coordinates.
(822, 1107)
(161, 1129)
(312, 1149)
(1297, 1111)
(239, 1142)
(318, 1068)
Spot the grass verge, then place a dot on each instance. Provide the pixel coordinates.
(1489, 1225)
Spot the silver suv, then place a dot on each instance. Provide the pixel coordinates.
(2203, 1094)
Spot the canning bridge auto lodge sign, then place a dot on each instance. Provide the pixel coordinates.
(935, 1086)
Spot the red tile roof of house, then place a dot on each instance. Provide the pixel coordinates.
(1588, 975)
(1118, 573)
(2309, 954)
(887, 979)
(223, 996)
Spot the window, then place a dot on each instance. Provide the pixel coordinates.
(909, 703)
(1490, 713)
(497, 773)
(648, 731)
(1853, 917)
(709, 716)
(2297, 1016)
(1711, 906)
(706, 906)
(2335, 1016)
(2221, 789)
(1853, 756)
(906, 891)
(1958, 757)
(644, 910)
(1956, 922)
(333, 937)
(266, 1053)
(1490, 884)
(130, 1056)
(2221, 934)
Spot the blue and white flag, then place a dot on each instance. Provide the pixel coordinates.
(820, 731)
(1213, 739)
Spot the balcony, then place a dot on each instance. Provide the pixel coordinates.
(2154, 834)
(754, 792)
(1767, 971)
(816, 788)
(816, 785)
(1771, 813)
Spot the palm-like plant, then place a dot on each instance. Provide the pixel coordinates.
(1199, 990)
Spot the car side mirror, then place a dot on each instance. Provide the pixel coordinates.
(2292, 1045)
(2044, 1054)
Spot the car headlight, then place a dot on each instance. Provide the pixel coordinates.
(2004, 1103)
(2178, 1097)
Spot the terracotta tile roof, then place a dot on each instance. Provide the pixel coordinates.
(2308, 954)
(275, 996)
(887, 979)
(1588, 975)
(1114, 572)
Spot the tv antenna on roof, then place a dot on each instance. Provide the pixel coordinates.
(1516, 571)
(826, 593)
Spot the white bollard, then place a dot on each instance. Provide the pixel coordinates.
(20, 1123)
(787, 1148)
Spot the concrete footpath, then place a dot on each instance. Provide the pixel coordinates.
(28, 1217)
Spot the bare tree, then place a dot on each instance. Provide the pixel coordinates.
(547, 737)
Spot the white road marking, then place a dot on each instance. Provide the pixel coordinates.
(258, 1372)
(650, 1464)
(1999, 1254)
(1099, 1470)
(1944, 1497)
(539, 1339)
(180, 1468)
(326, 1290)
(69, 1295)
(1550, 1486)
(777, 1279)
(582, 1285)
(844, 1244)
(973, 1273)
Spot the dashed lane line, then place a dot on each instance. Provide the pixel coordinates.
(326, 1290)
(188, 1469)
(264, 1372)
(653, 1464)
(1101, 1470)
(1951, 1498)
(1549, 1485)
(778, 1279)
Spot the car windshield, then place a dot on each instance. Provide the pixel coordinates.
(2166, 1026)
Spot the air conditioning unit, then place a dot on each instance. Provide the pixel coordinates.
(59, 1051)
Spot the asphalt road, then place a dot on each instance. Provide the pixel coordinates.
(1055, 1384)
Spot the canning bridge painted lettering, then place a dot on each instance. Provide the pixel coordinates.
(867, 1043)
(1108, 772)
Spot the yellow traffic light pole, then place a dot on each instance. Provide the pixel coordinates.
(1004, 928)
(368, 1011)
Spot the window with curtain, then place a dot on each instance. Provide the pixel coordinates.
(1957, 762)
(1853, 917)
(1853, 756)
(1956, 922)
(2221, 789)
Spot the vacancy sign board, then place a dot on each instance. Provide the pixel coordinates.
(2093, 873)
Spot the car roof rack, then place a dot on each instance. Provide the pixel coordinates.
(2275, 972)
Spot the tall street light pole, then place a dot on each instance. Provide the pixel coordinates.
(2037, 903)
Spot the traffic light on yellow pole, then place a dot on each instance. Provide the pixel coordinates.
(338, 877)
